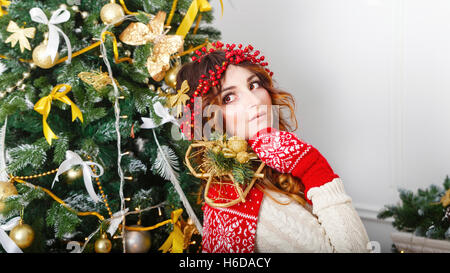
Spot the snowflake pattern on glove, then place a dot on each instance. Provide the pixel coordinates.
(280, 150)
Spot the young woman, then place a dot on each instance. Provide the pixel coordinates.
(300, 205)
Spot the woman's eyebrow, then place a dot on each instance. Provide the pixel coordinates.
(231, 87)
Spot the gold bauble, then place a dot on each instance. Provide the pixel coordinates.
(151, 87)
(171, 76)
(74, 174)
(112, 12)
(236, 144)
(41, 59)
(242, 157)
(137, 241)
(103, 244)
(22, 235)
(6, 189)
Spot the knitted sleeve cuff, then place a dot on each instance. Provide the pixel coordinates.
(329, 194)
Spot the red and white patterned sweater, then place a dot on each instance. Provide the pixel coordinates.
(328, 224)
(231, 229)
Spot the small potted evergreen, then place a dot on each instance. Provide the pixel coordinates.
(422, 219)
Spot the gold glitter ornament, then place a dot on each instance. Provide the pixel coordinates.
(164, 46)
(22, 235)
(97, 79)
(41, 58)
(103, 244)
(112, 12)
(171, 76)
(242, 157)
(236, 144)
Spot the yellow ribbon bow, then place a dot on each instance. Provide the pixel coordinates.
(5, 4)
(44, 105)
(180, 98)
(20, 34)
(445, 200)
(175, 241)
(188, 20)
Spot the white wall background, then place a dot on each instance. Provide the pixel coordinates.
(371, 80)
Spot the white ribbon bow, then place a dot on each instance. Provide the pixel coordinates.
(73, 159)
(161, 111)
(58, 17)
(115, 221)
(7, 243)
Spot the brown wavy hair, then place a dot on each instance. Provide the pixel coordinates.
(273, 180)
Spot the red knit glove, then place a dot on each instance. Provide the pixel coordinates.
(286, 153)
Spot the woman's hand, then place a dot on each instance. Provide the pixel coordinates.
(286, 153)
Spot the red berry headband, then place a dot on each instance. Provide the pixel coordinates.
(234, 56)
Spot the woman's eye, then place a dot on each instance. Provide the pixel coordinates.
(254, 85)
(227, 99)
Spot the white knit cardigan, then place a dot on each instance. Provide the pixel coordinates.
(331, 225)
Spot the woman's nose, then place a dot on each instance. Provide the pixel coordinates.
(251, 99)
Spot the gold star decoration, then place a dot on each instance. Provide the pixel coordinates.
(20, 34)
(178, 100)
(163, 45)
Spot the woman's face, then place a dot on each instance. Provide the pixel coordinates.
(246, 104)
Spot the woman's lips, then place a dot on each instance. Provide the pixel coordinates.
(258, 116)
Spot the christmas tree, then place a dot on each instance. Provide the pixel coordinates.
(425, 213)
(78, 168)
